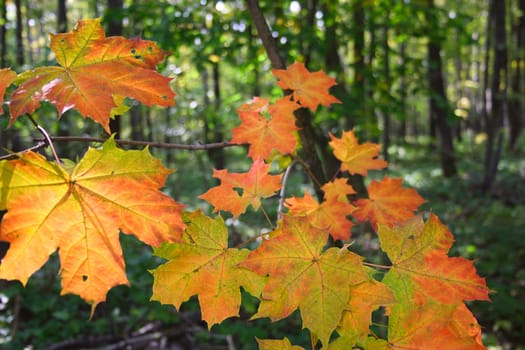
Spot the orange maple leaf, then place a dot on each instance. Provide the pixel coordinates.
(418, 252)
(80, 211)
(203, 265)
(388, 203)
(338, 189)
(94, 72)
(265, 135)
(356, 158)
(257, 183)
(330, 215)
(433, 326)
(302, 275)
(7, 76)
(430, 287)
(309, 89)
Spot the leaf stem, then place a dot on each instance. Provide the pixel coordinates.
(49, 142)
(267, 217)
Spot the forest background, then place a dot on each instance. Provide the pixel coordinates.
(439, 83)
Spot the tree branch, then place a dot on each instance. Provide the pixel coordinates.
(197, 147)
(265, 34)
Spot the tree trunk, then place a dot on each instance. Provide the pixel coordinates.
(20, 60)
(358, 86)
(386, 72)
(61, 16)
(213, 121)
(3, 26)
(439, 107)
(303, 118)
(115, 29)
(516, 105)
(498, 89)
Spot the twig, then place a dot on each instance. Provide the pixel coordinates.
(47, 138)
(282, 193)
(14, 155)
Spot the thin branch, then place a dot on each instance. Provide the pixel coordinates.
(14, 155)
(47, 138)
(196, 147)
(282, 194)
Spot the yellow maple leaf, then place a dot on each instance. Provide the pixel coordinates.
(203, 265)
(80, 213)
(356, 158)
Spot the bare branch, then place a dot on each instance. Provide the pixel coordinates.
(196, 147)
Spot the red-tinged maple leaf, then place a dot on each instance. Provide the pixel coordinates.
(80, 211)
(265, 135)
(94, 70)
(433, 326)
(310, 89)
(421, 268)
(338, 189)
(7, 76)
(330, 215)
(388, 203)
(365, 297)
(356, 158)
(257, 183)
(203, 265)
(277, 344)
(302, 275)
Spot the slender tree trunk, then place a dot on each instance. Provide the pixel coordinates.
(402, 131)
(29, 34)
(309, 141)
(115, 28)
(494, 128)
(213, 119)
(516, 105)
(358, 86)
(20, 59)
(3, 26)
(61, 16)
(439, 108)
(386, 72)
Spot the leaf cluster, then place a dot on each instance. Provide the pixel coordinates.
(80, 208)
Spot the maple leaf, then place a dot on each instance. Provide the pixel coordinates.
(387, 203)
(257, 183)
(277, 344)
(433, 326)
(80, 212)
(330, 215)
(7, 76)
(265, 135)
(94, 70)
(203, 265)
(365, 297)
(338, 188)
(418, 252)
(356, 158)
(309, 89)
(302, 276)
